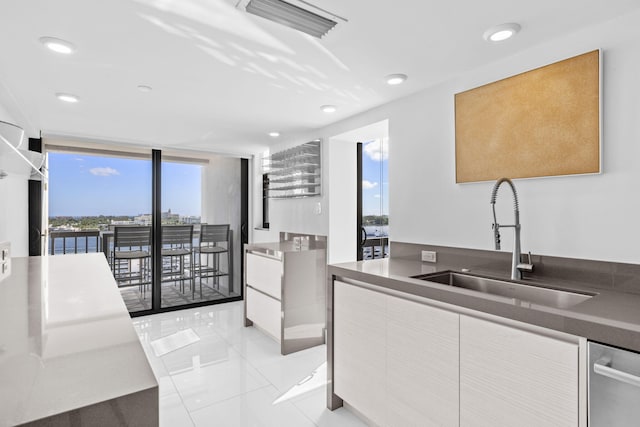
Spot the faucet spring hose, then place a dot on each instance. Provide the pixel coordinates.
(494, 193)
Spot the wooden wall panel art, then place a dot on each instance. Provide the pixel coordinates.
(544, 122)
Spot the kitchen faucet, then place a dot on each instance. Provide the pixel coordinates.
(516, 266)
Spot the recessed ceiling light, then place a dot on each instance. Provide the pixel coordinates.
(58, 45)
(501, 32)
(274, 134)
(395, 79)
(67, 97)
(328, 108)
(144, 88)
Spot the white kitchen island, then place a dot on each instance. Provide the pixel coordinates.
(69, 354)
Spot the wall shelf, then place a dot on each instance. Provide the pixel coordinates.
(294, 172)
(14, 157)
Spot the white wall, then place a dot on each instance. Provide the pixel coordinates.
(342, 201)
(337, 217)
(293, 215)
(14, 206)
(593, 217)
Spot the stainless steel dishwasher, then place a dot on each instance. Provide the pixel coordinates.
(614, 387)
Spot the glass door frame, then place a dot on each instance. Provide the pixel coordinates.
(156, 239)
(361, 234)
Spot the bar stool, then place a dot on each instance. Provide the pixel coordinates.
(132, 243)
(214, 241)
(177, 254)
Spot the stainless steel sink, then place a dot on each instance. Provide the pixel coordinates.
(522, 294)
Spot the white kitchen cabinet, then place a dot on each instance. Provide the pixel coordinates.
(285, 286)
(404, 362)
(512, 377)
(396, 361)
(265, 274)
(264, 311)
(422, 365)
(359, 349)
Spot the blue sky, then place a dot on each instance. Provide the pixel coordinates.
(375, 177)
(82, 185)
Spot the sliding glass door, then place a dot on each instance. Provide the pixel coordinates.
(224, 211)
(180, 216)
(201, 245)
(104, 202)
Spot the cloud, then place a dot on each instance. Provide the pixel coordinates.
(377, 149)
(103, 171)
(366, 185)
(376, 196)
(79, 159)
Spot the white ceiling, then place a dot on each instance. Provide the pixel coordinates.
(222, 78)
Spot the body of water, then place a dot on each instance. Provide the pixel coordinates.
(93, 245)
(377, 230)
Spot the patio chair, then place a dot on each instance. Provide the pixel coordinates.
(132, 244)
(214, 241)
(177, 255)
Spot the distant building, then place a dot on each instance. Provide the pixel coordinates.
(144, 219)
(168, 216)
(190, 219)
(65, 227)
(129, 222)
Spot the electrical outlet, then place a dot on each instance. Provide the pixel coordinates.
(5, 260)
(429, 256)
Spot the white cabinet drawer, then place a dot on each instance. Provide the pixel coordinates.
(265, 274)
(510, 377)
(264, 311)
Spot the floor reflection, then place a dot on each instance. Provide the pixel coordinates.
(235, 376)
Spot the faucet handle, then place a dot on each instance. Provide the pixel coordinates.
(496, 235)
(526, 267)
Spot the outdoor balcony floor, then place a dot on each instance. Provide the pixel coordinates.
(171, 296)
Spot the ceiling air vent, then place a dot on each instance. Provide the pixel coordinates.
(294, 16)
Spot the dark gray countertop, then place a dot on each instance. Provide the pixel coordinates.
(610, 317)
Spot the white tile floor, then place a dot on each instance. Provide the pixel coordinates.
(235, 376)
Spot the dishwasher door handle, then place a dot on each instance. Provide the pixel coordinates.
(603, 367)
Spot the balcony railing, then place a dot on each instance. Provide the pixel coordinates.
(85, 241)
(375, 247)
(73, 242)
